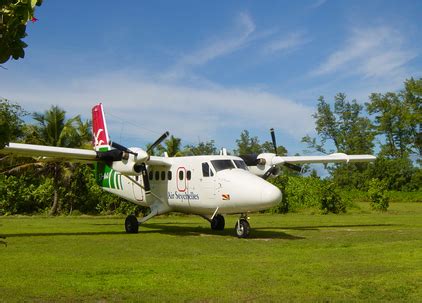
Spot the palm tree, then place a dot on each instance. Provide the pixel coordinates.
(53, 129)
(173, 145)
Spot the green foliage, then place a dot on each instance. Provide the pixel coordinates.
(18, 195)
(398, 174)
(308, 192)
(14, 15)
(345, 126)
(247, 145)
(281, 182)
(202, 148)
(396, 120)
(11, 123)
(378, 195)
(330, 198)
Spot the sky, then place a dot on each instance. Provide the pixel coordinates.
(206, 70)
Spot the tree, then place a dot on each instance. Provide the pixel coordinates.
(14, 15)
(247, 145)
(172, 147)
(346, 127)
(413, 91)
(202, 148)
(11, 123)
(396, 121)
(53, 129)
(349, 131)
(268, 147)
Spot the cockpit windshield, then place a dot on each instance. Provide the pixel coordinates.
(222, 164)
(240, 164)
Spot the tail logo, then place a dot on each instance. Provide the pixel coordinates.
(97, 136)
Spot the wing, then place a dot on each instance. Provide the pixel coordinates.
(265, 165)
(47, 152)
(65, 154)
(333, 158)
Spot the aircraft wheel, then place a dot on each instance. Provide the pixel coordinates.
(131, 224)
(242, 228)
(218, 223)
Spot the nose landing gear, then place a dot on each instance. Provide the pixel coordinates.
(242, 227)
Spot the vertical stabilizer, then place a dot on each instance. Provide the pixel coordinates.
(99, 129)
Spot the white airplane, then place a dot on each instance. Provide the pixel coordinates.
(208, 186)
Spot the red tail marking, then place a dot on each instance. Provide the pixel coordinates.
(99, 127)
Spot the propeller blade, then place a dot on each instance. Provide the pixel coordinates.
(273, 139)
(269, 172)
(144, 173)
(158, 141)
(121, 148)
(293, 167)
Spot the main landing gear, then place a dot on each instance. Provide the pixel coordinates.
(131, 224)
(218, 222)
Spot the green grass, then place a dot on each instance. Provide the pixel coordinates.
(358, 256)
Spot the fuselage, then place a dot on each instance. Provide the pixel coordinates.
(200, 185)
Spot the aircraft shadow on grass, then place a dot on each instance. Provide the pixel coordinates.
(186, 231)
(183, 231)
(192, 229)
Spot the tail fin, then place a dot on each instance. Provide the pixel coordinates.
(99, 129)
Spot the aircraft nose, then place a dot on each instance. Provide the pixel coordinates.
(270, 195)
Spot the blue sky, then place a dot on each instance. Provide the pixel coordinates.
(208, 70)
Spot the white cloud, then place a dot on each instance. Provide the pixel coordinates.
(318, 3)
(188, 112)
(225, 44)
(288, 42)
(371, 52)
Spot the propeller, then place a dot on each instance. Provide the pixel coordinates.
(158, 142)
(122, 148)
(288, 165)
(273, 139)
(121, 152)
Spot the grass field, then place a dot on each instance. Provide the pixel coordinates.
(358, 256)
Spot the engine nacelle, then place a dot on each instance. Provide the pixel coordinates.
(262, 164)
(130, 164)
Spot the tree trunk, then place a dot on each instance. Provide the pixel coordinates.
(53, 209)
(55, 205)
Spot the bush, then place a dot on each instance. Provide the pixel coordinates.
(307, 192)
(378, 195)
(330, 200)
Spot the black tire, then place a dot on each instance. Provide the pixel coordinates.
(218, 223)
(131, 224)
(242, 228)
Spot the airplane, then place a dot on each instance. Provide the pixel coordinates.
(210, 186)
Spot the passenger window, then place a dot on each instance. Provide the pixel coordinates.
(181, 175)
(157, 175)
(188, 175)
(163, 175)
(151, 175)
(169, 175)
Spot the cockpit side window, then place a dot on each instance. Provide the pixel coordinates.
(240, 164)
(222, 164)
(205, 169)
